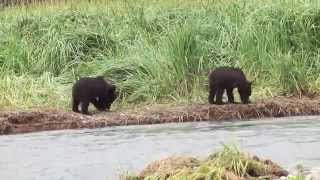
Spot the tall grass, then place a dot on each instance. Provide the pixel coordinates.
(156, 50)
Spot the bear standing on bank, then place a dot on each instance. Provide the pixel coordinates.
(93, 90)
(228, 78)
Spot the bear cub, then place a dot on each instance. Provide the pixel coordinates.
(228, 78)
(93, 90)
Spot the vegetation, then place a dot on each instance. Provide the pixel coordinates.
(229, 163)
(156, 51)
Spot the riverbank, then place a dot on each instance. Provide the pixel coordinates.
(15, 122)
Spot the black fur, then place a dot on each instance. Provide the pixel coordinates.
(92, 90)
(227, 78)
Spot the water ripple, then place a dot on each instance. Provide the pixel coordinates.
(105, 153)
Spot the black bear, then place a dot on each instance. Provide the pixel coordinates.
(93, 90)
(227, 78)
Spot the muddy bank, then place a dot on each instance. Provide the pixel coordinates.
(13, 122)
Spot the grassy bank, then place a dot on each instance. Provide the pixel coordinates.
(156, 50)
(229, 163)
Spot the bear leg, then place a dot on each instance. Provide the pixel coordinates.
(212, 93)
(99, 104)
(84, 107)
(219, 95)
(230, 95)
(75, 105)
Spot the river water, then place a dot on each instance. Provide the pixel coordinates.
(101, 154)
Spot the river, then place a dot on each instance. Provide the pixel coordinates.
(105, 153)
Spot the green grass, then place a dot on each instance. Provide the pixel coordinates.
(156, 51)
(228, 163)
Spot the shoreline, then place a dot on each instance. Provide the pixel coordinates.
(18, 122)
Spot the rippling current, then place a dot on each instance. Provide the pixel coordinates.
(101, 154)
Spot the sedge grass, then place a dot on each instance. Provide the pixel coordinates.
(156, 51)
